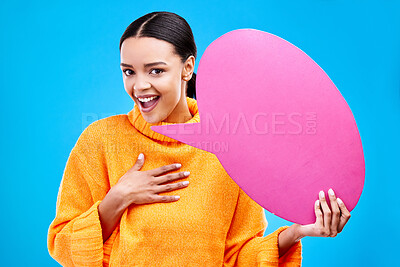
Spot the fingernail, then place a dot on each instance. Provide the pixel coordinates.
(177, 197)
(178, 165)
(339, 201)
(185, 182)
(330, 191)
(321, 194)
(186, 173)
(141, 156)
(317, 202)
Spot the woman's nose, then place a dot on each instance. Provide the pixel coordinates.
(141, 84)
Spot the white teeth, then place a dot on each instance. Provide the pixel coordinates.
(147, 99)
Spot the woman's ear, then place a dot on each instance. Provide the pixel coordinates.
(188, 68)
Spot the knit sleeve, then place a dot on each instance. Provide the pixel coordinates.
(245, 244)
(75, 235)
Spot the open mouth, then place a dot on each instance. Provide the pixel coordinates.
(148, 104)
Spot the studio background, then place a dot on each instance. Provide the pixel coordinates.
(60, 71)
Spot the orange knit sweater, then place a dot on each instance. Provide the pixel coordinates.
(214, 223)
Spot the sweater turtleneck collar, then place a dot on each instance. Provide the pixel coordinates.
(137, 120)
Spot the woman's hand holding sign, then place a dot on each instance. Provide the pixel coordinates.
(329, 222)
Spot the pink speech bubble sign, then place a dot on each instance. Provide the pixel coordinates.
(276, 122)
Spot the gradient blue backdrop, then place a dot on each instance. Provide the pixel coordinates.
(60, 71)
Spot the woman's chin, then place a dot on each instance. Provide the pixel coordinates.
(151, 119)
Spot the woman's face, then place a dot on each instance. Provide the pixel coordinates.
(155, 78)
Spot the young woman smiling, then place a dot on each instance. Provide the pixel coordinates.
(124, 199)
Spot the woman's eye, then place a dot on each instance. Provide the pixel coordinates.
(157, 71)
(128, 72)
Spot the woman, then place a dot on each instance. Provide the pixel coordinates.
(110, 213)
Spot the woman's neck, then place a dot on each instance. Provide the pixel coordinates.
(180, 114)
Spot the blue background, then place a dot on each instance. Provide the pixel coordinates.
(60, 66)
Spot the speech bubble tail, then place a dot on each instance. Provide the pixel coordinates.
(188, 133)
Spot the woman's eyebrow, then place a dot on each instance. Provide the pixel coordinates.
(145, 65)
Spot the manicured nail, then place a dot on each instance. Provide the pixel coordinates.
(317, 202)
(177, 197)
(330, 191)
(186, 173)
(321, 194)
(141, 156)
(339, 201)
(185, 183)
(178, 165)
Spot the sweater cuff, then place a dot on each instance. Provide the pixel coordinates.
(87, 239)
(268, 254)
(108, 245)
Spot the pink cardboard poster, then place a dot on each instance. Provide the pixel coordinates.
(277, 123)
